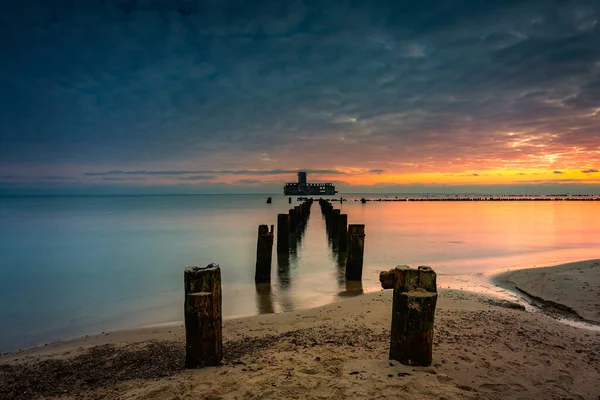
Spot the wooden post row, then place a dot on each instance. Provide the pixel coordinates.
(342, 231)
(356, 249)
(283, 233)
(203, 318)
(264, 254)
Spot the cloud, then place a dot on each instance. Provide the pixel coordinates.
(377, 171)
(589, 171)
(132, 179)
(248, 182)
(197, 178)
(558, 172)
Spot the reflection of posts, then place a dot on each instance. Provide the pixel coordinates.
(203, 320)
(264, 300)
(264, 252)
(283, 233)
(342, 230)
(283, 269)
(413, 309)
(356, 249)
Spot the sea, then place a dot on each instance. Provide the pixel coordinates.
(77, 265)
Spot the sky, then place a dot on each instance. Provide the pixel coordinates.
(182, 96)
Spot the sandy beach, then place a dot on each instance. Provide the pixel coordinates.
(572, 288)
(483, 349)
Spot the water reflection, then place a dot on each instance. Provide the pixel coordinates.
(353, 288)
(264, 298)
(341, 267)
(283, 270)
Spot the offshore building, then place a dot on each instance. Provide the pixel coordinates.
(303, 188)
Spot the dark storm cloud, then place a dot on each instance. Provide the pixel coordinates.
(218, 84)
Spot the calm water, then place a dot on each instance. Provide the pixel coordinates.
(70, 266)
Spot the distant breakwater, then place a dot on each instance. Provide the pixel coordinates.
(481, 198)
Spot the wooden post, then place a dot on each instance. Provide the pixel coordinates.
(356, 249)
(283, 233)
(264, 254)
(203, 318)
(299, 219)
(293, 221)
(413, 310)
(333, 225)
(342, 230)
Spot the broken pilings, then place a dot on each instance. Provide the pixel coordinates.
(203, 318)
(283, 233)
(413, 310)
(342, 232)
(356, 250)
(264, 254)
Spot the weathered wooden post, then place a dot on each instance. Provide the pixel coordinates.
(299, 219)
(283, 233)
(356, 249)
(333, 225)
(264, 253)
(203, 320)
(293, 222)
(342, 230)
(413, 310)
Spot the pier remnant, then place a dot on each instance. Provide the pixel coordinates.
(342, 231)
(293, 220)
(356, 249)
(283, 233)
(413, 310)
(203, 318)
(333, 224)
(264, 253)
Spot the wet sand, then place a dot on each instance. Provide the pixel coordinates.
(572, 288)
(483, 349)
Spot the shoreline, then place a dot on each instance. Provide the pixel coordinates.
(559, 290)
(499, 279)
(483, 349)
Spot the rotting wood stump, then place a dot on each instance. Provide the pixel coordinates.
(356, 250)
(342, 231)
(264, 254)
(283, 233)
(203, 318)
(413, 310)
